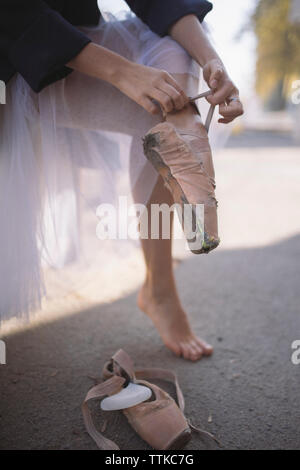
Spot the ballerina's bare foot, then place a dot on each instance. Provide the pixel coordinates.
(172, 323)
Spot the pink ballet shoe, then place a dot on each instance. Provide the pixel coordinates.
(159, 420)
(184, 161)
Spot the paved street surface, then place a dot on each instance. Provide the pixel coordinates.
(244, 298)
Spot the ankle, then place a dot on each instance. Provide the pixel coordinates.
(159, 290)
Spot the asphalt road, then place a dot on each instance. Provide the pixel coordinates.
(243, 298)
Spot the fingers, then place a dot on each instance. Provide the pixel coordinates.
(220, 95)
(216, 77)
(149, 106)
(163, 99)
(165, 91)
(169, 98)
(176, 97)
(231, 110)
(225, 94)
(168, 93)
(225, 121)
(171, 81)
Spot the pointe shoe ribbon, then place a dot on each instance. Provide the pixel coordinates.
(160, 421)
(184, 161)
(210, 111)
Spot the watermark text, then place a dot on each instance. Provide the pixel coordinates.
(137, 221)
(295, 358)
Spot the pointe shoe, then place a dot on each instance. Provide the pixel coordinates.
(159, 421)
(184, 161)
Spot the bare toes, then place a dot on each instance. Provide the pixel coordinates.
(174, 347)
(198, 347)
(207, 348)
(191, 352)
(185, 350)
(195, 353)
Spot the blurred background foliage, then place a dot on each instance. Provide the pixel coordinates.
(277, 29)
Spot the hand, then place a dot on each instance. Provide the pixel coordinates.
(225, 94)
(144, 84)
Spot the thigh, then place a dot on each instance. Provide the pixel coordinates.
(93, 104)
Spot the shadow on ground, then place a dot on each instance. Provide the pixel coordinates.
(246, 302)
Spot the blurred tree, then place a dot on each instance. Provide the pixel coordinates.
(278, 50)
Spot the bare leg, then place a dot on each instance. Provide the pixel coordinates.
(158, 297)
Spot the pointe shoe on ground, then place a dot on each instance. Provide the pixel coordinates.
(159, 421)
(184, 161)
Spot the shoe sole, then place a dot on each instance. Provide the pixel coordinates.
(180, 441)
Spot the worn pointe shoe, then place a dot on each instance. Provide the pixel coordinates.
(184, 161)
(158, 420)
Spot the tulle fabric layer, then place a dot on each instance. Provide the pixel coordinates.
(66, 150)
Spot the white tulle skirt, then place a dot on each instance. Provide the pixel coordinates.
(64, 151)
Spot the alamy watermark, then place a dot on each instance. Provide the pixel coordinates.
(2, 352)
(295, 97)
(133, 221)
(2, 92)
(295, 357)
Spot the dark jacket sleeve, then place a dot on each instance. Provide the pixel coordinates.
(37, 41)
(160, 15)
